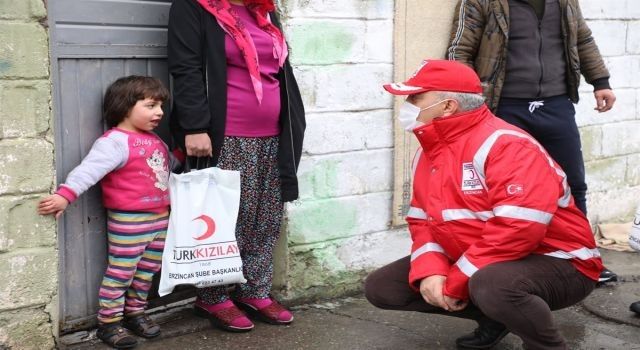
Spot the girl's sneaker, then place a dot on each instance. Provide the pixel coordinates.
(141, 325)
(224, 315)
(267, 310)
(115, 336)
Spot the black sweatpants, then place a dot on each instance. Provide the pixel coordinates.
(552, 122)
(519, 294)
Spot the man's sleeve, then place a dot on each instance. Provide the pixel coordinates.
(427, 256)
(185, 61)
(591, 64)
(466, 33)
(524, 187)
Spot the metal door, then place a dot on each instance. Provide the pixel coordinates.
(93, 42)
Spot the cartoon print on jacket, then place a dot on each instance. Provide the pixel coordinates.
(158, 164)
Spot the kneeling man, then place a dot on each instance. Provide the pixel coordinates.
(497, 237)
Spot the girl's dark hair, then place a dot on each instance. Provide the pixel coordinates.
(125, 92)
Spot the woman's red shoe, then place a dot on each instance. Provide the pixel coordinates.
(225, 316)
(268, 310)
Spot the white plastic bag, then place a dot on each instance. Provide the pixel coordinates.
(201, 248)
(634, 235)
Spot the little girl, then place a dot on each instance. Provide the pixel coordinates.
(132, 164)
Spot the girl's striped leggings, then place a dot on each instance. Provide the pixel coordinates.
(136, 241)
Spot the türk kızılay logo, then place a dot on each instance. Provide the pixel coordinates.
(203, 251)
(470, 179)
(207, 252)
(210, 227)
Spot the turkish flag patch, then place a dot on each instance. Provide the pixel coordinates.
(514, 190)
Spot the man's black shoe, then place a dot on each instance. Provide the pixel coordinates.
(485, 336)
(607, 276)
(635, 307)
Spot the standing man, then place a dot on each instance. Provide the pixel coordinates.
(529, 55)
(496, 233)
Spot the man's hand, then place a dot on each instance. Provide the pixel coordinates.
(198, 145)
(431, 290)
(53, 204)
(455, 304)
(604, 100)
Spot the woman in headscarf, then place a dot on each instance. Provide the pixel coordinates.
(235, 99)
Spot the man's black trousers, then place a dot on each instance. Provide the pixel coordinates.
(552, 122)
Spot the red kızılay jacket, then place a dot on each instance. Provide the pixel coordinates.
(484, 192)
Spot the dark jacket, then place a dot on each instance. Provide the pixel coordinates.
(480, 39)
(198, 64)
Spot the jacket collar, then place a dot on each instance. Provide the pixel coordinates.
(501, 11)
(449, 129)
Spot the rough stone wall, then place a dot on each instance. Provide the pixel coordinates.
(342, 51)
(28, 254)
(611, 141)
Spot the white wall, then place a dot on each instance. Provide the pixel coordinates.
(342, 51)
(611, 141)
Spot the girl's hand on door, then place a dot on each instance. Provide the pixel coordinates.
(53, 204)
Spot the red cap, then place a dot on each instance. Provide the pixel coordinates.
(438, 75)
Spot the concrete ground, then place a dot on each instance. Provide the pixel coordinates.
(602, 321)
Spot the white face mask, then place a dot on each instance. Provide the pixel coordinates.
(408, 115)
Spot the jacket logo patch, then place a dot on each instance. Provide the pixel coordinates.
(514, 189)
(470, 178)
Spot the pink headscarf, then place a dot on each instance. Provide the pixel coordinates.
(231, 24)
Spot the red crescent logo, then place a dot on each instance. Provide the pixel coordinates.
(211, 227)
(473, 174)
